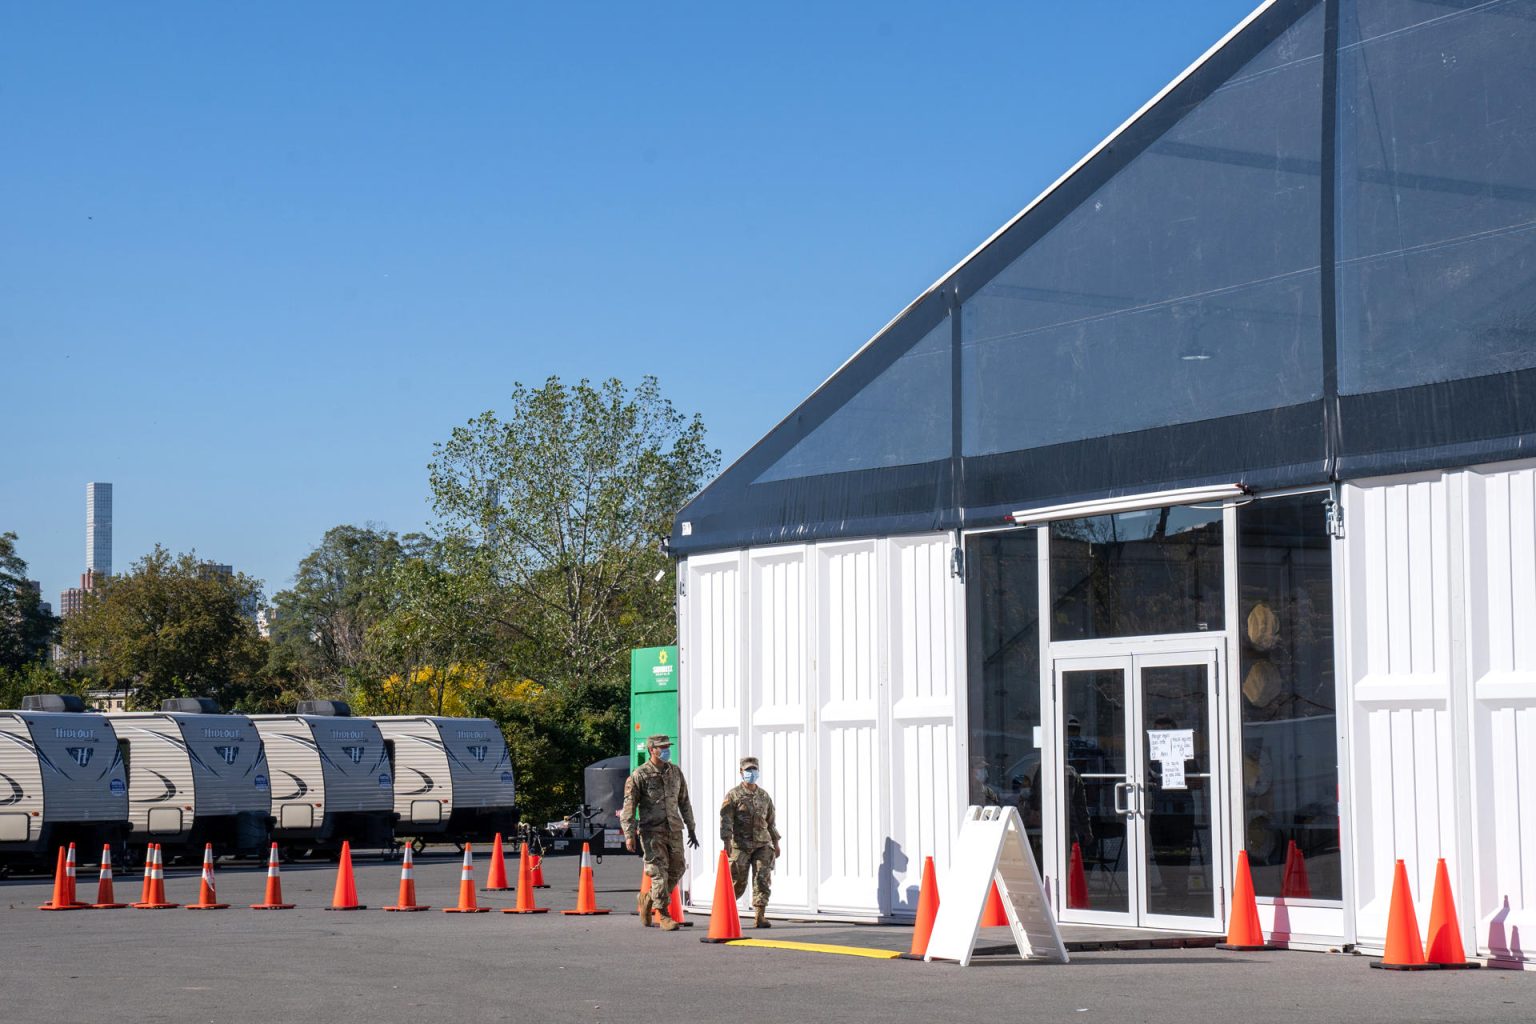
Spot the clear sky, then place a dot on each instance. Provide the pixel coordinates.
(255, 258)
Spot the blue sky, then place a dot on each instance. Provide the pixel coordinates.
(256, 258)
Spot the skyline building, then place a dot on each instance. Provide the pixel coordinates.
(98, 529)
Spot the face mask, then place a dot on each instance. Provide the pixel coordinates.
(664, 754)
(750, 775)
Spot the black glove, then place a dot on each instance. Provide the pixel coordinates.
(693, 840)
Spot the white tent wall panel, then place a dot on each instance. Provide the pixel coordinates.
(1501, 598)
(838, 665)
(778, 599)
(1398, 673)
(926, 697)
(852, 823)
(711, 709)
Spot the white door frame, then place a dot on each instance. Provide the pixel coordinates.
(1130, 656)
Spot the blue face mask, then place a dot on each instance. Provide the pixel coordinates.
(750, 775)
(664, 754)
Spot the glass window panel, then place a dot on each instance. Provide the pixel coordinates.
(901, 418)
(1003, 616)
(1181, 875)
(1185, 288)
(1093, 717)
(1137, 574)
(1290, 747)
(1437, 192)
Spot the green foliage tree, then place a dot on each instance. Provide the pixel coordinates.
(171, 627)
(342, 590)
(561, 510)
(26, 628)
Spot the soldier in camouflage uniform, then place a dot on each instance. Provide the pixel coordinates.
(656, 808)
(751, 838)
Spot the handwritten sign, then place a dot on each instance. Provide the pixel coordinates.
(1171, 748)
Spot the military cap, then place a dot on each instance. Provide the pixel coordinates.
(661, 739)
(748, 762)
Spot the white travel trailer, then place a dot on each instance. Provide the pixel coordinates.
(331, 780)
(453, 776)
(61, 781)
(195, 776)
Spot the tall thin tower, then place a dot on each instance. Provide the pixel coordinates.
(98, 529)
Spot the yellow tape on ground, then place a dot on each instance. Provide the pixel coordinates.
(816, 947)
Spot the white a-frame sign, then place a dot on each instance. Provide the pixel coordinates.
(992, 847)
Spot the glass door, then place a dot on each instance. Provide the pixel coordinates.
(1138, 827)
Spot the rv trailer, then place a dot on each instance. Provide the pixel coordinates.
(453, 777)
(331, 780)
(61, 781)
(195, 776)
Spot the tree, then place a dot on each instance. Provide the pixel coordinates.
(559, 514)
(568, 502)
(343, 589)
(172, 627)
(26, 628)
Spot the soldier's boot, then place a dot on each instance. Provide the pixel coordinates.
(762, 918)
(645, 905)
(667, 924)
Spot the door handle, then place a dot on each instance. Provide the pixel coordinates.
(1126, 810)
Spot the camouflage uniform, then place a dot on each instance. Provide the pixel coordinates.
(656, 807)
(751, 838)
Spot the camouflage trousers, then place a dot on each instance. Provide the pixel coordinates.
(759, 859)
(664, 862)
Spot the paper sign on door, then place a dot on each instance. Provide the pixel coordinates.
(1171, 747)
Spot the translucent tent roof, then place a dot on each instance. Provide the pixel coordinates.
(1311, 257)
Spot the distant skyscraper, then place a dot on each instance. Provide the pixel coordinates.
(98, 529)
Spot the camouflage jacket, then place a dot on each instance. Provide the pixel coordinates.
(746, 818)
(656, 797)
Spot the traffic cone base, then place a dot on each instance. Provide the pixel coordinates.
(586, 891)
(1244, 933)
(496, 876)
(525, 901)
(345, 895)
(927, 911)
(724, 922)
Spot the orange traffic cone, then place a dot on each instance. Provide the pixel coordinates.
(274, 897)
(586, 893)
(994, 916)
(149, 874)
(525, 901)
(70, 874)
(407, 899)
(156, 898)
(1077, 881)
(60, 899)
(538, 873)
(496, 877)
(1243, 929)
(345, 895)
(1404, 952)
(724, 923)
(105, 900)
(1444, 947)
(207, 893)
(1294, 883)
(927, 910)
(467, 904)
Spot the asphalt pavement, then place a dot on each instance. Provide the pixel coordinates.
(241, 965)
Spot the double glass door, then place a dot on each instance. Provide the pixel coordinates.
(1137, 789)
